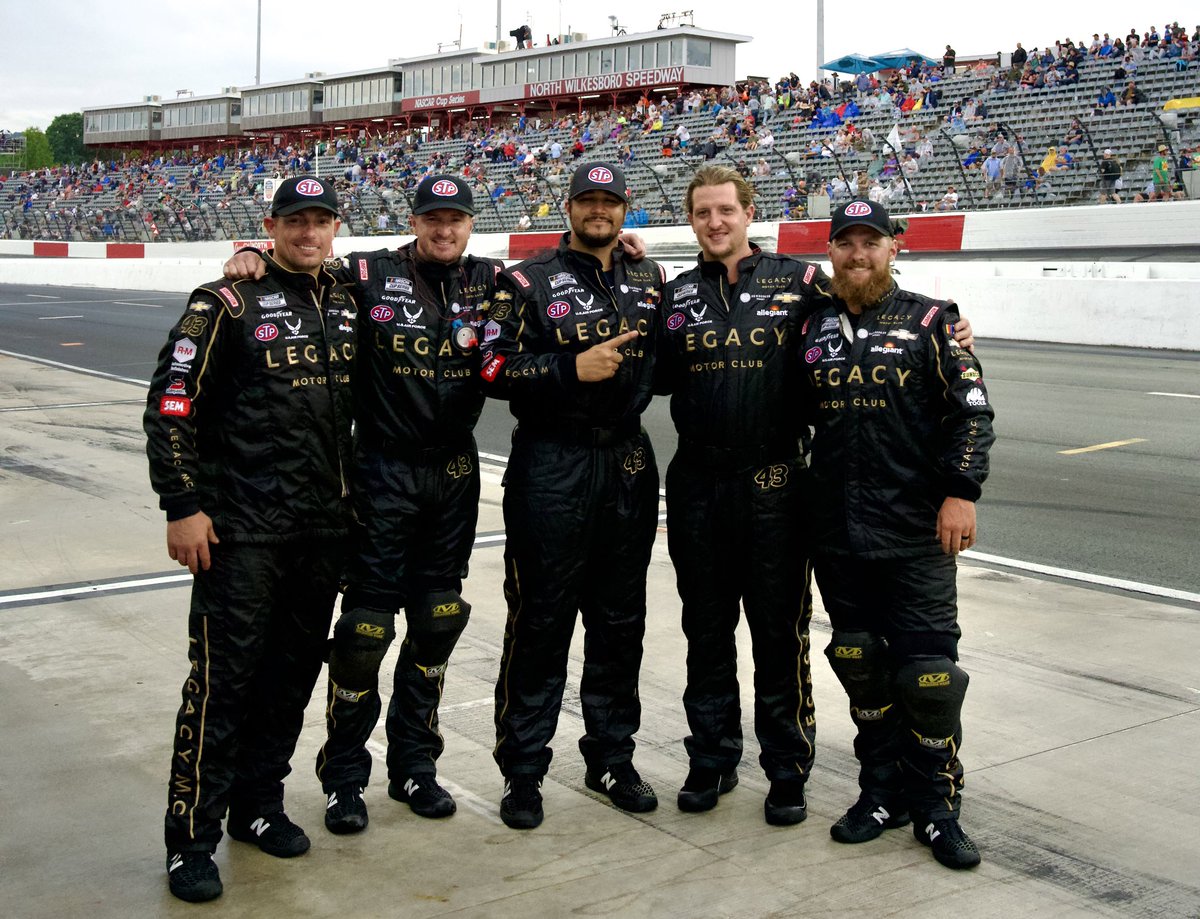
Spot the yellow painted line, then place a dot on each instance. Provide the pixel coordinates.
(1108, 446)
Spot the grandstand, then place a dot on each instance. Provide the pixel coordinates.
(211, 195)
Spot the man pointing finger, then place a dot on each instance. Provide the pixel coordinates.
(574, 357)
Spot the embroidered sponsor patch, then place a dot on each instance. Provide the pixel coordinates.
(174, 405)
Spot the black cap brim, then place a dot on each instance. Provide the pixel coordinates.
(444, 206)
(303, 206)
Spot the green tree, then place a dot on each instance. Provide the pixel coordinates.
(65, 135)
(37, 149)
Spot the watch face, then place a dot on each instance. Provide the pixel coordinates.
(465, 338)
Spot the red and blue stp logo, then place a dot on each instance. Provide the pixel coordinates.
(558, 309)
(266, 332)
(675, 321)
(382, 313)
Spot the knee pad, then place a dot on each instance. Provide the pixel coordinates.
(932, 690)
(361, 638)
(860, 661)
(429, 653)
(437, 612)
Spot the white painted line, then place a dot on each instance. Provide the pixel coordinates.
(44, 296)
(1177, 395)
(1068, 574)
(94, 373)
(60, 317)
(92, 589)
(1107, 446)
(46, 408)
(157, 306)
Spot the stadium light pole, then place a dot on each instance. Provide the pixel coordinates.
(820, 39)
(258, 49)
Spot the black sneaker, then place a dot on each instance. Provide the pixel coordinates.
(193, 876)
(624, 787)
(274, 833)
(345, 810)
(785, 804)
(424, 795)
(950, 844)
(521, 803)
(702, 788)
(866, 820)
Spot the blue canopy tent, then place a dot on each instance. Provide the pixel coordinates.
(853, 63)
(893, 60)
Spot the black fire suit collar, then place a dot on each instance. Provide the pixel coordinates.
(297, 280)
(585, 259)
(710, 269)
(879, 304)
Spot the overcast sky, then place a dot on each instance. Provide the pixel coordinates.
(62, 55)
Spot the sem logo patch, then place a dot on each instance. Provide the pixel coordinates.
(601, 175)
(493, 367)
(310, 188)
(266, 332)
(444, 189)
(927, 680)
(675, 320)
(171, 405)
(382, 313)
(558, 309)
(858, 209)
(812, 354)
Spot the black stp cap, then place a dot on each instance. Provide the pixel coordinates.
(443, 191)
(598, 177)
(300, 192)
(860, 212)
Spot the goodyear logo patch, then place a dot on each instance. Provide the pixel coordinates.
(848, 653)
(371, 631)
(926, 680)
(446, 609)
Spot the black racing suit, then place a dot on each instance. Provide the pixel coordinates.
(417, 399)
(734, 504)
(580, 501)
(248, 420)
(903, 422)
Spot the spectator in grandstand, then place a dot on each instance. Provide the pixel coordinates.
(1011, 169)
(761, 168)
(1132, 95)
(1074, 133)
(1105, 100)
(1019, 56)
(993, 181)
(948, 60)
(1110, 177)
(949, 201)
(1160, 170)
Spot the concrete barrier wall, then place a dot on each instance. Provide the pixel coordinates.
(1133, 304)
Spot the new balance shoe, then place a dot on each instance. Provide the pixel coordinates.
(624, 787)
(950, 844)
(424, 795)
(193, 876)
(274, 833)
(866, 820)
(785, 804)
(521, 803)
(703, 786)
(345, 810)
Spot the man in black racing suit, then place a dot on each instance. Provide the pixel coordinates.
(903, 428)
(248, 437)
(417, 400)
(575, 359)
(734, 496)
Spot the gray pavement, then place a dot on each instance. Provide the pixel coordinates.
(1082, 729)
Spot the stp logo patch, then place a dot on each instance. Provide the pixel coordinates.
(558, 309)
(266, 332)
(444, 188)
(173, 405)
(675, 320)
(858, 209)
(382, 313)
(812, 354)
(310, 188)
(601, 175)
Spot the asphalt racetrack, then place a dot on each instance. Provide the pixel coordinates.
(1094, 473)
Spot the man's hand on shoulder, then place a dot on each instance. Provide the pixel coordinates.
(633, 244)
(245, 266)
(188, 540)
